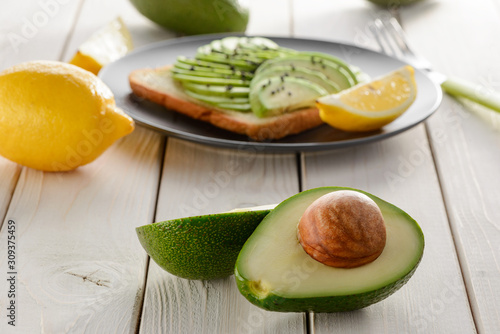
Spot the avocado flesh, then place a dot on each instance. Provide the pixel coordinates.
(233, 67)
(278, 95)
(315, 77)
(214, 99)
(218, 90)
(237, 45)
(200, 247)
(332, 71)
(210, 81)
(207, 69)
(245, 65)
(209, 74)
(275, 273)
(198, 62)
(239, 104)
(345, 67)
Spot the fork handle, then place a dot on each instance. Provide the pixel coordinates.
(473, 92)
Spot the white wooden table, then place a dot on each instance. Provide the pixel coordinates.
(81, 269)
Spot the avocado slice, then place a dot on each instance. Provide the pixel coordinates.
(249, 67)
(197, 68)
(218, 90)
(275, 273)
(235, 45)
(331, 70)
(201, 247)
(236, 103)
(197, 62)
(346, 68)
(302, 73)
(209, 74)
(209, 81)
(218, 99)
(280, 94)
(245, 64)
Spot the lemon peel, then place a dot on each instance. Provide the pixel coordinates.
(56, 116)
(106, 45)
(370, 106)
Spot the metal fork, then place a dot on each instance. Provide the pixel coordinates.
(393, 41)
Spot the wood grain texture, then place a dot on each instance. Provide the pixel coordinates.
(198, 179)
(343, 21)
(270, 18)
(25, 33)
(401, 171)
(466, 140)
(80, 265)
(34, 30)
(142, 30)
(9, 173)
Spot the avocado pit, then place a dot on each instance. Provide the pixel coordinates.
(343, 229)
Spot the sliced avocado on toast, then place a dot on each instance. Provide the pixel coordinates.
(248, 63)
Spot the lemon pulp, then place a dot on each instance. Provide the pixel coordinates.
(370, 106)
(106, 45)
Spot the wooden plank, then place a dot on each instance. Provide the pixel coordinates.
(401, 171)
(142, 30)
(270, 18)
(197, 179)
(9, 173)
(342, 21)
(80, 265)
(26, 31)
(466, 140)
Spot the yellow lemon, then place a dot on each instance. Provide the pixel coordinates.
(105, 46)
(370, 106)
(56, 117)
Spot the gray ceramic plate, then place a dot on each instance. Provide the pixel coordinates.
(321, 138)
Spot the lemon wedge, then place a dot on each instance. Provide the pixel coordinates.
(370, 106)
(106, 45)
(56, 117)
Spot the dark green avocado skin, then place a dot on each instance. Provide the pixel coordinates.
(329, 304)
(195, 17)
(200, 247)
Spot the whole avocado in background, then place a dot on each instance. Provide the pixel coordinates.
(393, 3)
(193, 17)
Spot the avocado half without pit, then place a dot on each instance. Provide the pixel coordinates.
(329, 249)
(201, 247)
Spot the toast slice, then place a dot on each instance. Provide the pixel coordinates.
(158, 86)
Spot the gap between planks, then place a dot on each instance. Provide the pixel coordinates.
(22, 168)
(140, 301)
(299, 158)
(15, 179)
(71, 30)
(458, 250)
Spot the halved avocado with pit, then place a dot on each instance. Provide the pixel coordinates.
(275, 273)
